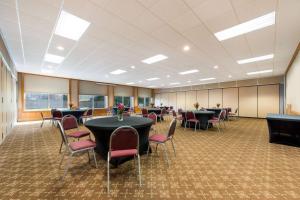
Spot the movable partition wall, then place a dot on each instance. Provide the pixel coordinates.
(252, 101)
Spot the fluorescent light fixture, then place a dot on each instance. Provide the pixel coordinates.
(255, 59)
(152, 79)
(207, 79)
(70, 26)
(140, 81)
(130, 83)
(118, 71)
(229, 76)
(216, 67)
(186, 48)
(53, 58)
(155, 59)
(189, 72)
(168, 76)
(246, 27)
(189, 81)
(132, 67)
(60, 48)
(260, 72)
(176, 83)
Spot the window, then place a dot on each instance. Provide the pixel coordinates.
(143, 101)
(35, 101)
(125, 100)
(92, 101)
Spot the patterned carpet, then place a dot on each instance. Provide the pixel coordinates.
(236, 164)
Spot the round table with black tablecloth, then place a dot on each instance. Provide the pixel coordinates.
(102, 128)
(218, 110)
(157, 111)
(203, 116)
(76, 113)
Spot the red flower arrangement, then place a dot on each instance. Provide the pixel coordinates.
(120, 108)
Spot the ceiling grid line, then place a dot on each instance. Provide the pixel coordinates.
(20, 32)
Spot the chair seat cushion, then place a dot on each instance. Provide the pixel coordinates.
(158, 138)
(79, 134)
(123, 153)
(193, 120)
(82, 144)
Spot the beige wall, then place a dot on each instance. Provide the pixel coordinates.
(8, 106)
(254, 98)
(293, 85)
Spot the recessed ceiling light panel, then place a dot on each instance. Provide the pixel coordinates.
(260, 72)
(53, 58)
(207, 79)
(118, 71)
(175, 83)
(130, 83)
(255, 59)
(246, 27)
(189, 72)
(154, 59)
(71, 26)
(152, 79)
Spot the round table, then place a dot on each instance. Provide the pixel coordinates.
(76, 113)
(218, 110)
(203, 116)
(157, 111)
(102, 128)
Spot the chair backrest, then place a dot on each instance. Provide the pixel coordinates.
(174, 113)
(222, 115)
(180, 111)
(126, 114)
(144, 111)
(236, 110)
(42, 115)
(52, 111)
(63, 135)
(123, 138)
(153, 116)
(183, 114)
(190, 115)
(163, 111)
(57, 114)
(89, 112)
(69, 122)
(172, 128)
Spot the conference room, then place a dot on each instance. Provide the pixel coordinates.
(139, 99)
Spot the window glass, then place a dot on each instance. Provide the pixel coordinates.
(126, 101)
(36, 101)
(58, 100)
(86, 101)
(147, 101)
(141, 101)
(99, 102)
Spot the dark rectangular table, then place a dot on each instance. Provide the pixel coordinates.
(280, 124)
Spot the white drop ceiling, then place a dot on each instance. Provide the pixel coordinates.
(124, 32)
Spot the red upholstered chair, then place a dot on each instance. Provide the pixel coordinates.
(233, 115)
(88, 114)
(124, 142)
(50, 118)
(153, 116)
(190, 117)
(126, 114)
(77, 147)
(57, 116)
(218, 120)
(163, 138)
(69, 122)
(145, 112)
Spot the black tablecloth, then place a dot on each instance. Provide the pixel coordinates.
(156, 111)
(218, 110)
(280, 125)
(75, 113)
(102, 128)
(203, 116)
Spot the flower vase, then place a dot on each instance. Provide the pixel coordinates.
(120, 117)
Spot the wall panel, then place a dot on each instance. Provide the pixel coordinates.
(191, 98)
(157, 99)
(231, 98)
(268, 100)
(248, 101)
(202, 98)
(164, 99)
(215, 97)
(173, 100)
(181, 100)
(91, 88)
